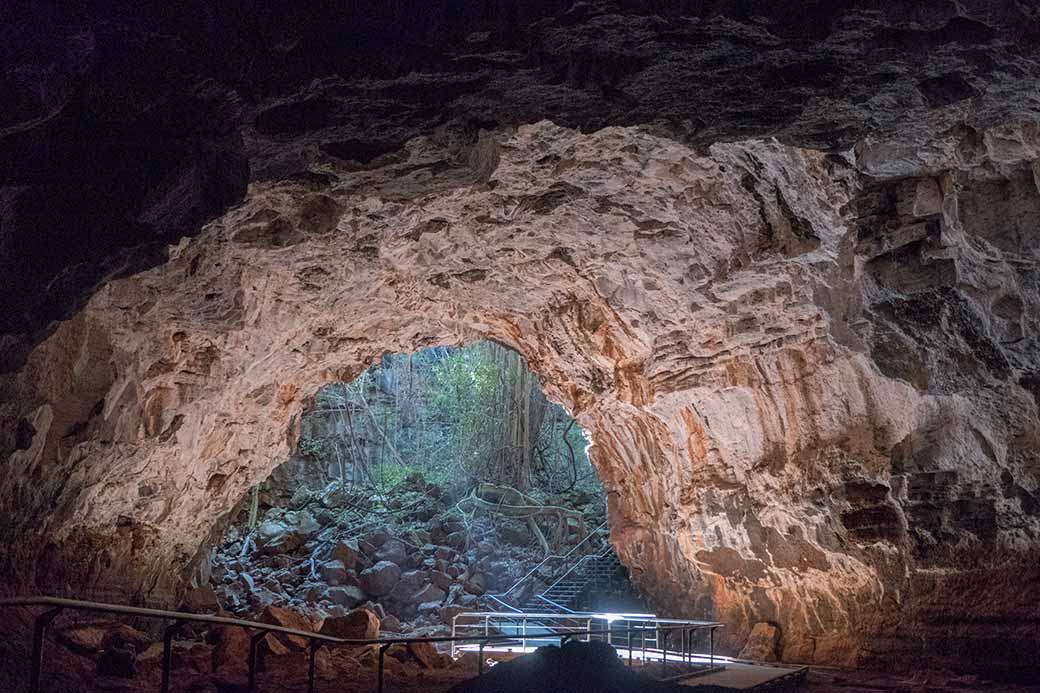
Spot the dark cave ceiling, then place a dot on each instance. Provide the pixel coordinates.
(128, 125)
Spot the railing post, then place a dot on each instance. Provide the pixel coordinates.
(254, 642)
(480, 658)
(382, 653)
(523, 634)
(39, 634)
(711, 646)
(312, 646)
(642, 639)
(685, 638)
(454, 627)
(629, 630)
(167, 653)
(588, 629)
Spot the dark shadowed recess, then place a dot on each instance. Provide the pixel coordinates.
(127, 125)
(577, 667)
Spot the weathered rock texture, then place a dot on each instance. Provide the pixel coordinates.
(128, 124)
(809, 380)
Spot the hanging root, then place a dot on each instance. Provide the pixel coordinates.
(507, 501)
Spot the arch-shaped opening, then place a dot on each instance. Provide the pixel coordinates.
(436, 482)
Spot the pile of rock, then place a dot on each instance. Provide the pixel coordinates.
(311, 569)
(416, 572)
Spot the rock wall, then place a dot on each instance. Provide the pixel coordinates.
(810, 380)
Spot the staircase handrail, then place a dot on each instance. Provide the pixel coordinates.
(590, 557)
(595, 532)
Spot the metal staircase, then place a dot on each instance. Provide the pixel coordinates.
(589, 575)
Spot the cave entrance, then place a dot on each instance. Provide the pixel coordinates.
(434, 483)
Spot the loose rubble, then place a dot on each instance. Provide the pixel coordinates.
(416, 569)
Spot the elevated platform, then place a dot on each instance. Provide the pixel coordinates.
(705, 673)
(748, 676)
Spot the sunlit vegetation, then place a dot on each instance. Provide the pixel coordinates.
(459, 417)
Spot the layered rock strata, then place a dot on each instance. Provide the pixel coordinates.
(810, 380)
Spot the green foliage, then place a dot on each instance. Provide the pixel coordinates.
(314, 448)
(390, 476)
(451, 416)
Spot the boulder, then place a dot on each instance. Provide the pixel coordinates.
(423, 653)
(231, 595)
(312, 591)
(398, 652)
(380, 579)
(441, 579)
(427, 655)
(287, 618)
(286, 535)
(360, 624)
(91, 638)
(201, 600)
(261, 598)
(271, 646)
(273, 585)
(429, 610)
(394, 551)
(448, 613)
(126, 636)
(275, 537)
(476, 585)
(85, 639)
(454, 593)
(410, 583)
(370, 542)
(347, 596)
(429, 593)
(376, 608)
(231, 652)
(347, 553)
(390, 624)
(762, 644)
(334, 572)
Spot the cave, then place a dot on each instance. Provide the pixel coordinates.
(451, 465)
(778, 261)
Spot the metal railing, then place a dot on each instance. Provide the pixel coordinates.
(580, 565)
(315, 640)
(646, 627)
(502, 596)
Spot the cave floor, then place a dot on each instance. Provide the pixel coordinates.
(65, 672)
(817, 681)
